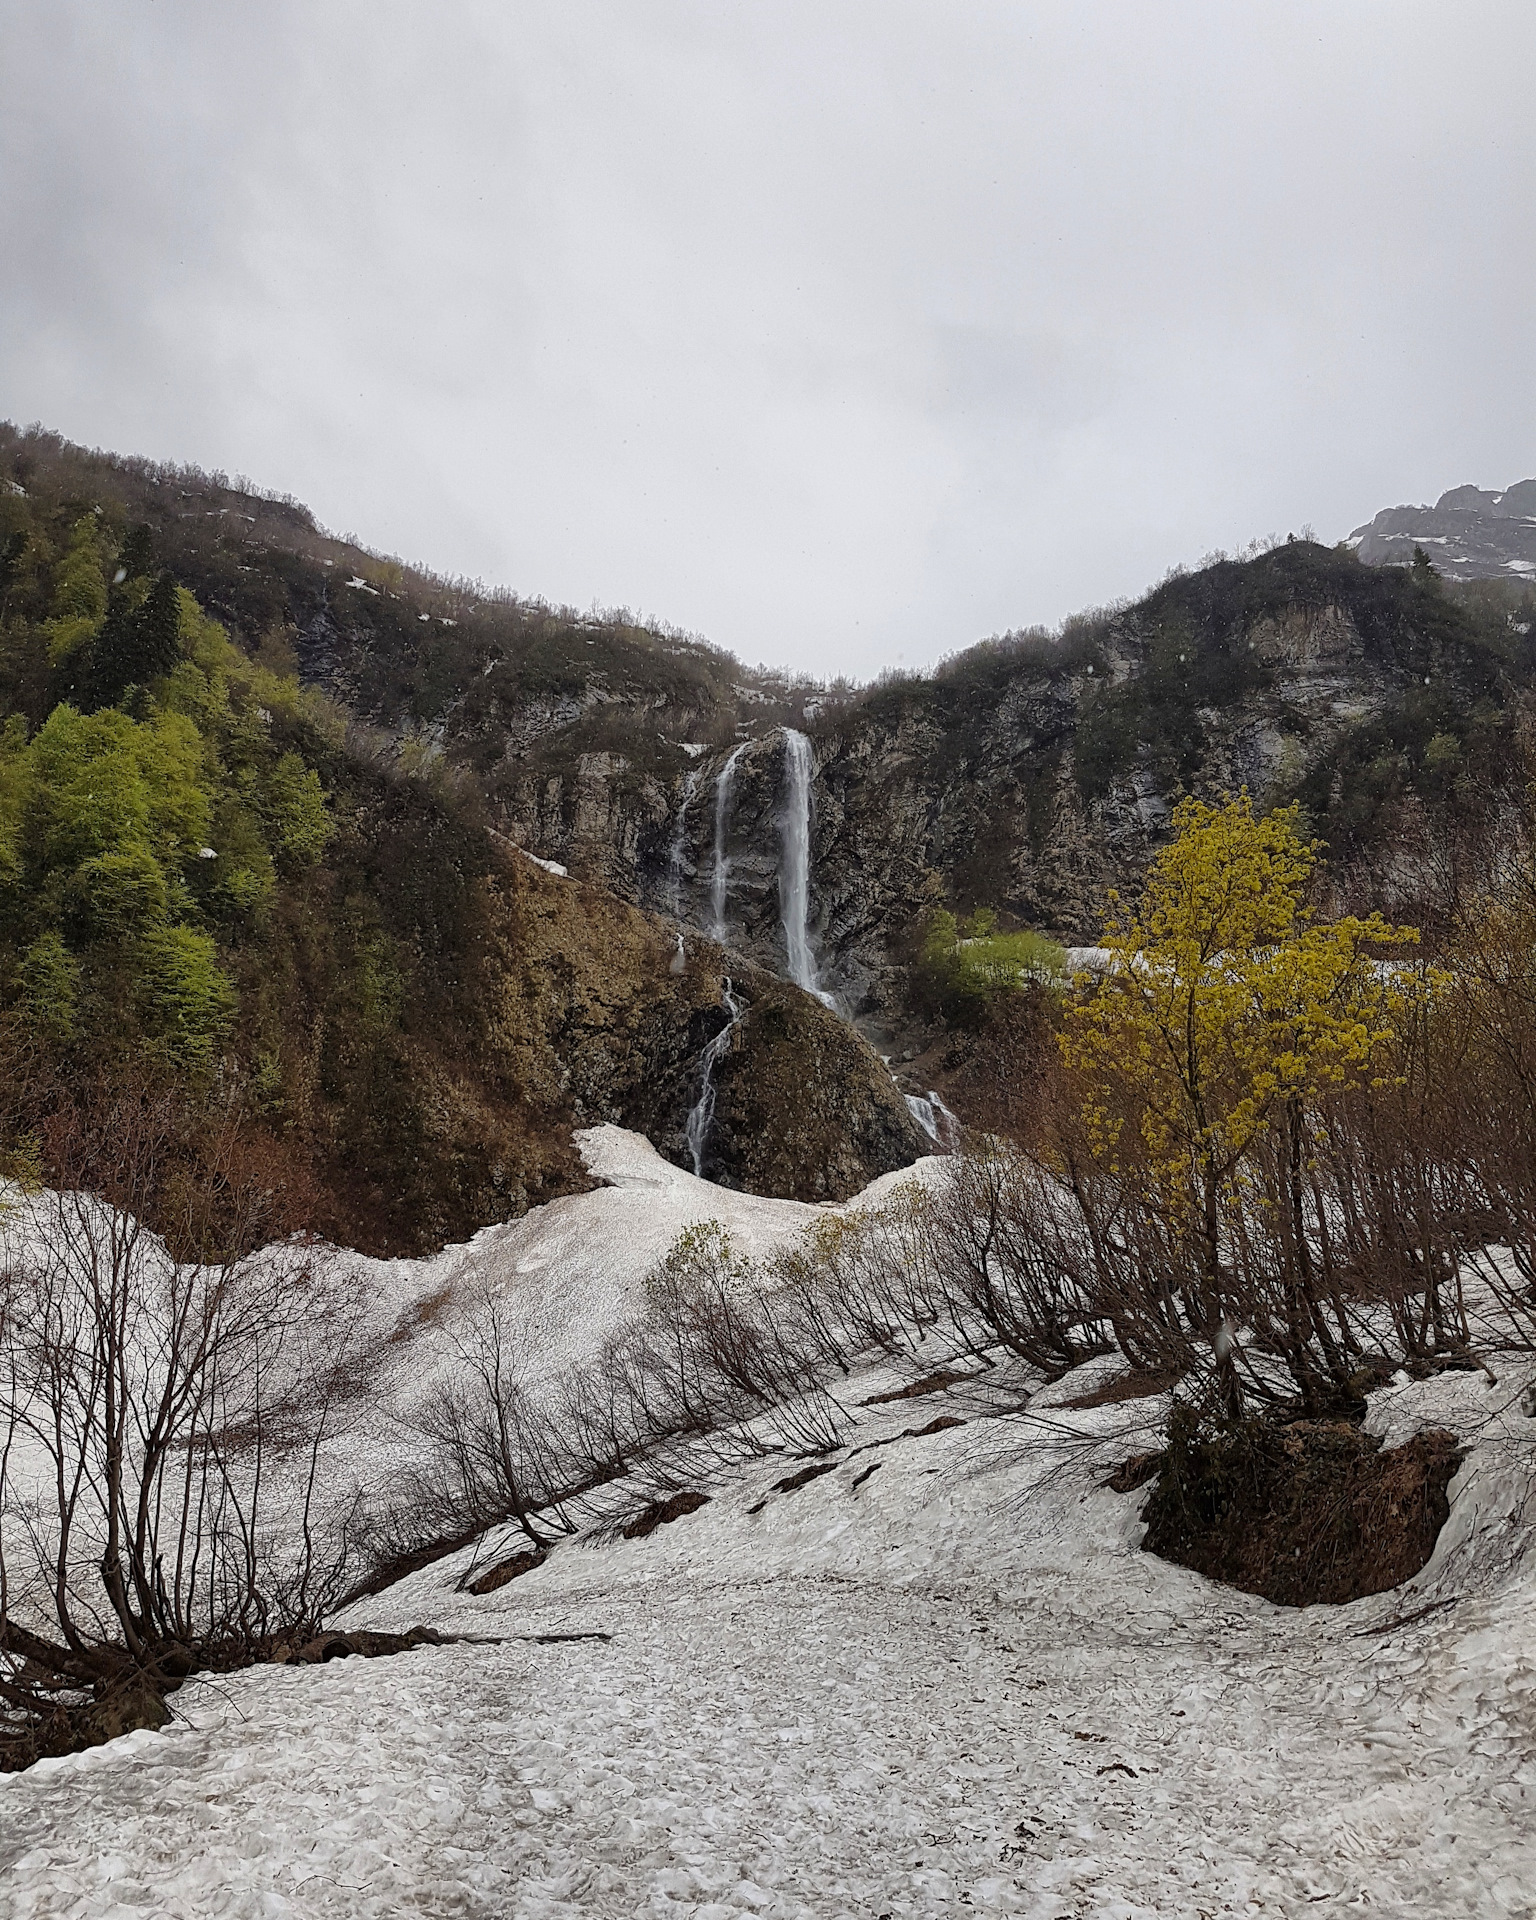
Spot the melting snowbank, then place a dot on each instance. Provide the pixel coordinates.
(574, 1270)
(938, 1680)
(948, 1686)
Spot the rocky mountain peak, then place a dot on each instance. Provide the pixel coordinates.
(1470, 533)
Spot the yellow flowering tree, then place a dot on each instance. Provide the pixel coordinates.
(1225, 1012)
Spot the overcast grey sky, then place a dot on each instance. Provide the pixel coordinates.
(844, 333)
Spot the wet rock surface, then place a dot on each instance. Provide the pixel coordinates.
(607, 1024)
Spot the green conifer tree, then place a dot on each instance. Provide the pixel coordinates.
(10, 559)
(137, 554)
(135, 645)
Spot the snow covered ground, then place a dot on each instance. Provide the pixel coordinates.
(940, 1679)
(574, 1269)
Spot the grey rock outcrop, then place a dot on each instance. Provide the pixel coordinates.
(605, 1019)
(1039, 776)
(1469, 534)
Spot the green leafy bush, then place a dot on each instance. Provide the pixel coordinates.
(964, 965)
(187, 1000)
(50, 981)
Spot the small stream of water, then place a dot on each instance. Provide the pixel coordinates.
(702, 1116)
(941, 1126)
(677, 848)
(722, 872)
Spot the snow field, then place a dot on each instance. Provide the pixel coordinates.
(951, 1685)
(957, 1688)
(576, 1268)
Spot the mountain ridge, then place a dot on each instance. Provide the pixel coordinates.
(1471, 533)
(1032, 773)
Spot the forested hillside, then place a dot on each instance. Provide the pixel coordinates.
(1029, 775)
(218, 888)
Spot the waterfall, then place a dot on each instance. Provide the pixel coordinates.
(722, 862)
(795, 864)
(941, 1126)
(703, 1113)
(675, 851)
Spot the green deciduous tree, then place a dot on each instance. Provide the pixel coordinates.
(187, 1000)
(79, 591)
(50, 976)
(1227, 1012)
(297, 816)
(965, 964)
(103, 780)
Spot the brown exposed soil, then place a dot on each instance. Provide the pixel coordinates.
(942, 1425)
(411, 1559)
(425, 1313)
(505, 1570)
(363, 1641)
(793, 1482)
(1125, 1386)
(1135, 1472)
(938, 1382)
(661, 1513)
(1314, 1512)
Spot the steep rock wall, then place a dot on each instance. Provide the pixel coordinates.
(1045, 777)
(603, 1020)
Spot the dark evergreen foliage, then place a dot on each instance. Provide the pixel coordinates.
(135, 646)
(10, 558)
(136, 557)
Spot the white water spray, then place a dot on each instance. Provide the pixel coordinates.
(795, 864)
(722, 817)
(677, 848)
(703, 1114)
(941, 1126)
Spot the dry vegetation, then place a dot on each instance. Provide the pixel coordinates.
(1265, 1162)
(161, 1425)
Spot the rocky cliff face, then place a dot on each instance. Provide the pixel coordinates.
(1031, 774)
(605, 1013)
(1036, 776)
(1470, 533)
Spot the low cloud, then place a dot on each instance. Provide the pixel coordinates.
(841, 333)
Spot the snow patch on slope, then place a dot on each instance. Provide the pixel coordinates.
(950, 1687)
(939, 1680)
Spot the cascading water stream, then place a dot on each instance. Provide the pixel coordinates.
(941, 1126)
(702, 1116)
(722, 870)
(795, 864)
(676, 850)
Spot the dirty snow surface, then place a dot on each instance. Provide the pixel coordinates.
(939, 1679)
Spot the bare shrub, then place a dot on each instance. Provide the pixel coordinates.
(740, 1352)
(492, 1454)
(1004, 1241)
(863, 1281)
(721, 1362)
(162, 1426)
(1485, 1068)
